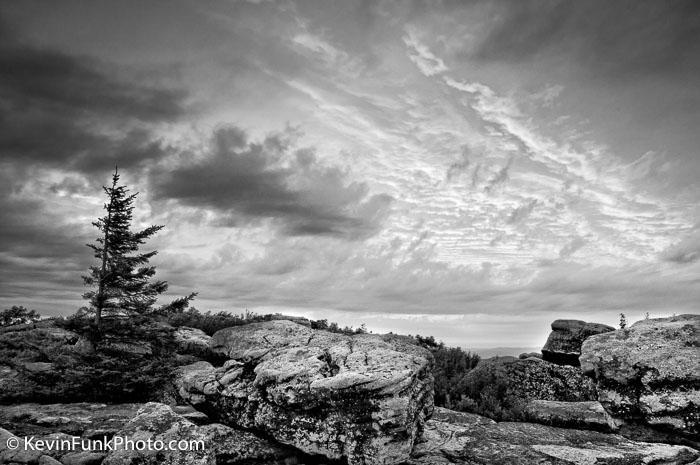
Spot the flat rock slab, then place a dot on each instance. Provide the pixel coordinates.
(650, 372)
(453, 438)
(363, 398)
(71, 418)
(579, 415)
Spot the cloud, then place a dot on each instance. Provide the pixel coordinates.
(420, 54)
(459, 166)
(570, 248)
(522, 212)
(614, 38)
(500, 177)
(685, 251)
(41, 248)
(72, 112)
(244, 181)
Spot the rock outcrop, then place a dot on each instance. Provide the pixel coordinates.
(41, 362)
(530, 378)
(192, 341)
(213, 443)
(202, 445)
(649, 374)
(463, 438)
(363, 398)
(563, 346)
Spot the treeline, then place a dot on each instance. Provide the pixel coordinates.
(211, 322)
(451, 366)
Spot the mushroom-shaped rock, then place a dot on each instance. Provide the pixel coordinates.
(563, 346)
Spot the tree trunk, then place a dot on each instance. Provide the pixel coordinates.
(101, 286)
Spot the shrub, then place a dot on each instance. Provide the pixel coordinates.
(17, 315)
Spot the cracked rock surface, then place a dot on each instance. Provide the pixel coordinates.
(363, 398)
(467, 439)
(650, 374)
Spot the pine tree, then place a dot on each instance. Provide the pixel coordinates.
(122, 280)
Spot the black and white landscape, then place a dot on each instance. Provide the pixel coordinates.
(362, 232)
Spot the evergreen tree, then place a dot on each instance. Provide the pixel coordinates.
(122, 280)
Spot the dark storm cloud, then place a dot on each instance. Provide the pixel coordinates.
(69, 111)
(36, 242)
(620, 37)
(245, 181)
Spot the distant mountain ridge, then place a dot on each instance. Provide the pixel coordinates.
(488, 352)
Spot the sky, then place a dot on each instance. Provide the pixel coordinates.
(471, 170)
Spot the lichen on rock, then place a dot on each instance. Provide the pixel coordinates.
(363, 398)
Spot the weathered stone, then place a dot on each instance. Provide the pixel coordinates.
(47, 460)
(210, 444)
(138, 348)
(530, 378)
(79, 419)
(362, 397)
(157, 422)
(649, 373)
(578, 415)
(231, 446)
(469, 439)
(83, 458)
(564, 343)
(16, 453)
(192, 341)
(38, 367)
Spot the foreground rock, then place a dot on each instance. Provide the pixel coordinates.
(192, 341)
(79, 419)
(648, 374)
(530, 378)
(207, 444)
(578, 415)
(563, 346)
(463, 438)
(42, 362)
(202, 445)
(363, 398)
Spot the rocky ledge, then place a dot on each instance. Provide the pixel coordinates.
(361, 398)
(463, 438)
(648, 375)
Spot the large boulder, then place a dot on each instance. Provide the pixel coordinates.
(363, 398)
(462, 438)
(526, 379)
(649, 374)
(192, 341)
(564, 343)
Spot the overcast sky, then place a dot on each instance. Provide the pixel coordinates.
(470, 169)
